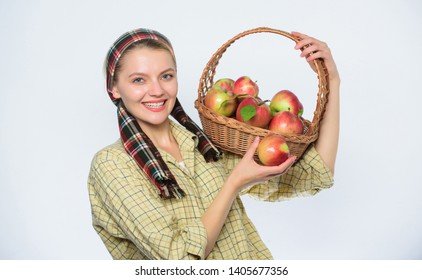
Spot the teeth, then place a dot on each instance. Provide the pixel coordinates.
(154, 105)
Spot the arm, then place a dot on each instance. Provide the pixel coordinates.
(314, 171)
(216, 214)
(327, 142)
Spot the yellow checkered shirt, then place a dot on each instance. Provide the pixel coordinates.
(135, 223)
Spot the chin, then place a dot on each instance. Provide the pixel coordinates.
(156, 120)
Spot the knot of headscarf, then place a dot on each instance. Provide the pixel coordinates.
(136, 143)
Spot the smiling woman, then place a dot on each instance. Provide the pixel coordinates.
(147, 83)
(163, 191)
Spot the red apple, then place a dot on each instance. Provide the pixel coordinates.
(245, 87)
(225, 83)
(221, 101)
(285, 100)
(287, 123)
(273, 150)
(254, 111)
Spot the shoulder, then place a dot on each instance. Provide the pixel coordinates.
(115, 148)
(114, 153)
(112, 165)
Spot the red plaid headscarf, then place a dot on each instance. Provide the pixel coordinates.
(137, 144)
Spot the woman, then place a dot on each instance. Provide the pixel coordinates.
(162, 191)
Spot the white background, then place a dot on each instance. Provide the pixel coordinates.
(55, 114)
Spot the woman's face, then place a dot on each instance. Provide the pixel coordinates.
(147, 85)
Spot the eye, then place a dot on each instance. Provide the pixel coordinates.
(138, 80)
(167, 76)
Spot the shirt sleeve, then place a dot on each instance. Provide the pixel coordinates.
(308, 176)
(129, 209)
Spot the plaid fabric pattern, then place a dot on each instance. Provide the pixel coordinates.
(140, 147)
(205, 147)
(135, 223)
(135, 141)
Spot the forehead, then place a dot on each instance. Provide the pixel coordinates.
(147, 57)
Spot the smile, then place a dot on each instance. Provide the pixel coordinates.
(155, 106)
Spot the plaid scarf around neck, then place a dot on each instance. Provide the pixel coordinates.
(136, 143)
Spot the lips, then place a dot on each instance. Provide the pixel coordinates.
(155, 106)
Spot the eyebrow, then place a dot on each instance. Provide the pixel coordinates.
(142, 74)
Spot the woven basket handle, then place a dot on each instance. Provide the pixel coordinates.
(208, 74)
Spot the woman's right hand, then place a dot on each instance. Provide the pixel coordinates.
(247, 172)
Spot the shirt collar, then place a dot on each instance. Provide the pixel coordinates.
(186, 139)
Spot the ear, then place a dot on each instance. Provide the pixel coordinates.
(115, 92)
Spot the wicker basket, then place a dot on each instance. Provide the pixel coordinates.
(233, 136)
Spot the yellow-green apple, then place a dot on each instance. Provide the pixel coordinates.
(285, 100)
(254, 111)
(287, 123)
(225, 83)
(221, 101)
(245, 87)
(273, 150)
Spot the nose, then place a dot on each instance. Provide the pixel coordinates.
(156, 88)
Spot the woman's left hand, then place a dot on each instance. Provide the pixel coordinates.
(313, 49)
(327, 142)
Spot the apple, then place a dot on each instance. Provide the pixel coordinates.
(254, 111)
(225, 83)
(287, 123)
(221, 101)
(245, 87)
(273, 150)
(285, 100)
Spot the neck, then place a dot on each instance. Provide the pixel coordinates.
(157, 133)
(162, 137)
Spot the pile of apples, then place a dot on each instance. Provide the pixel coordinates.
(240, 99)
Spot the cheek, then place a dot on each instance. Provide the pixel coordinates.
(172, 88)
(131, 93)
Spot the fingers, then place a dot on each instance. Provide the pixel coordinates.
(299, 35)
(280, 169)
(266, 172)
(252, 148)
(304, 41)
(311, 48)
(289, 162)
(311, 53)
